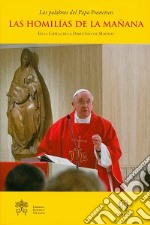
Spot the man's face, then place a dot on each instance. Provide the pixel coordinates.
(83, 104)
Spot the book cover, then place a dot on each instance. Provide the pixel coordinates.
(102, 45)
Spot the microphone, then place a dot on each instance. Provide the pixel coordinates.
(74, 141)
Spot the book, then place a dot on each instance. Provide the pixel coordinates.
(124, 67)
(55, 159)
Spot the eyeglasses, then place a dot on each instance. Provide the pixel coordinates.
(83, 102)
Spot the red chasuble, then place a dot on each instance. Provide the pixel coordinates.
(58, 141)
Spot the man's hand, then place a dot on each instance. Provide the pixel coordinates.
(97, 142)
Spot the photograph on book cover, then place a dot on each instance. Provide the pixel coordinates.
(118, 78)
(116, 75)
(101, 46)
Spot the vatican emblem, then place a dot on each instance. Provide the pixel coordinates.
(21, 207)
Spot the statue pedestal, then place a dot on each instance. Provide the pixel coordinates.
(26, 153)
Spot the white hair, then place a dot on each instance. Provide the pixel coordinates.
(81, 90)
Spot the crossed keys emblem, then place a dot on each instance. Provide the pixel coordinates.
(21, 207)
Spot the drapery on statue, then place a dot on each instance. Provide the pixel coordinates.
(26, 111)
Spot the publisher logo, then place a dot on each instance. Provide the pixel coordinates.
(21, 207)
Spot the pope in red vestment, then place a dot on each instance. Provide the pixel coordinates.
(96, 141)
